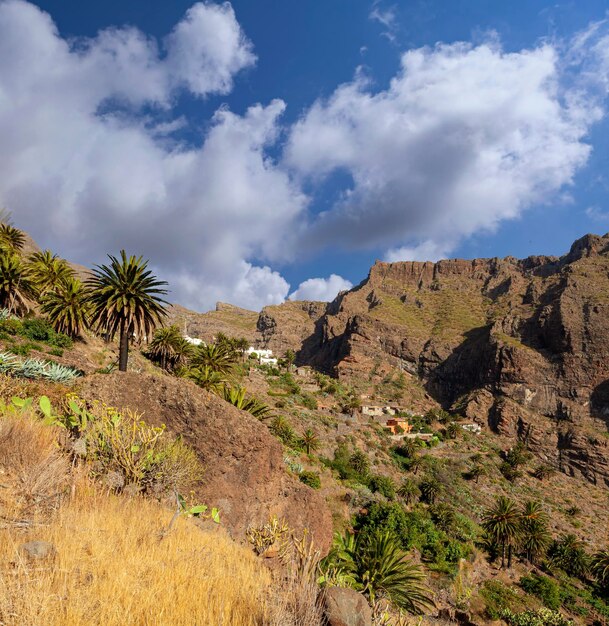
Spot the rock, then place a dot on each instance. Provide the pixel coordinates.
(37, 550)
(522, 345)
(113, 480)
(244, 472)
(346, 607)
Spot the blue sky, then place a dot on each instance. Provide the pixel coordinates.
(493, 147)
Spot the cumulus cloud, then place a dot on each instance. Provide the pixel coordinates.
(86, 169)
(321, 289)
(464, 138)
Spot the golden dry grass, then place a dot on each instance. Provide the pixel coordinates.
(113, 568)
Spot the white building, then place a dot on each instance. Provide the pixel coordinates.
(194, 341)
(265, 357)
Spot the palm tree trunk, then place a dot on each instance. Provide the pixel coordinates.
(503, 555)
(124, 348)
(509, 556)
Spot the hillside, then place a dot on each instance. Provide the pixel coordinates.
(518, 345)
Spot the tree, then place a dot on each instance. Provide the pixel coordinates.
(67, 307)
(534, 532)
(600, 567)
(310, 440)
(569, 554)
(16, 289)
(169, 348)
(219, 357)
(502, 523)
(206, 378)
(375, 564)
(476, 472)
(409, 491)
(452, 430)
(126, 298)
(359, 463)
(430, 489)
(48, 272)
(289, 359)
(11, 238)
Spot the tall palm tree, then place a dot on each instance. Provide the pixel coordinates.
(430, 489)
(535, 535)
(126, 298)
(569, 554)
(48, 271)
(16, 288)
(67, 307)
(11, 238)
(376, 565)
(502, 523)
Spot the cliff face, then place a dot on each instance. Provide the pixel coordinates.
(521, 345)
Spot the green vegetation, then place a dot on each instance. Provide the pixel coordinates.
(125, 297)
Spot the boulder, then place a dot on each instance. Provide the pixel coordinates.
(346, 607)
(37, 550)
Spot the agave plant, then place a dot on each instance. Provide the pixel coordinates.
(58, 373)
(31, 368)
(8, 362)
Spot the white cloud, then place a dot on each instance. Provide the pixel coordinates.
(321, 289)
(425, 251)
(596, 214)
(386, 17)
(88, 179)
(464, 138)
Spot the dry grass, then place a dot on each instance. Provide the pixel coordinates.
(31, 457)
(113, 568)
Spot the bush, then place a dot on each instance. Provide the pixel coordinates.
(37, 329)
(143, 455)
(544, 588)
(499, 598)
(311, 479)
(308, 401)
(543, 617)
(11, 326)
(282, 429)
(383, 485)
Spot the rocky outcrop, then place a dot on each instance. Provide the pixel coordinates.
(520, 345)
(245, 475)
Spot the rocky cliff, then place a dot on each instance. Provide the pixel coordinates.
(520, 345)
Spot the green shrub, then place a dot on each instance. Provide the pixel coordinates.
(282, 429)
(383, 485)
(499, 598)
(311, 479)
(544, 588)
(11, 326)
(36, 329)
(308, 401)
(542, 617)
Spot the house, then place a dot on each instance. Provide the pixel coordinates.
(398, 425)
(265, 357)
(472, 428)
(194, 341)
(376, 410)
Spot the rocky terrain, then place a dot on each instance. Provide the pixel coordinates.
(518, 345)
(245, 472)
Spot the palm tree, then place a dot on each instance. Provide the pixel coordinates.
(476, 472)
(67, 307)
(569, 554)
(534, 532)
(207, 378)
(416, 463)
(452, 430)
(48, 271)
(289, 359)
(169, 348)
(600, 566)
(502, 523)
(16, 289)
(409, 491)
(309, 440)
(11, 238)
(376, 565)
(217, 356)
(126, 297)
(237, 397)
(430, 489)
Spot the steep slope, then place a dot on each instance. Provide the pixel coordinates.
(521, 345)
(245, 474)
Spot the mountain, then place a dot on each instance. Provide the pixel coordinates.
(521, 346)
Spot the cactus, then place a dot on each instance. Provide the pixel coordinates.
(58, 373)
(8, 363)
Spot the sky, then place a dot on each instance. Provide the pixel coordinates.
(259, 151)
